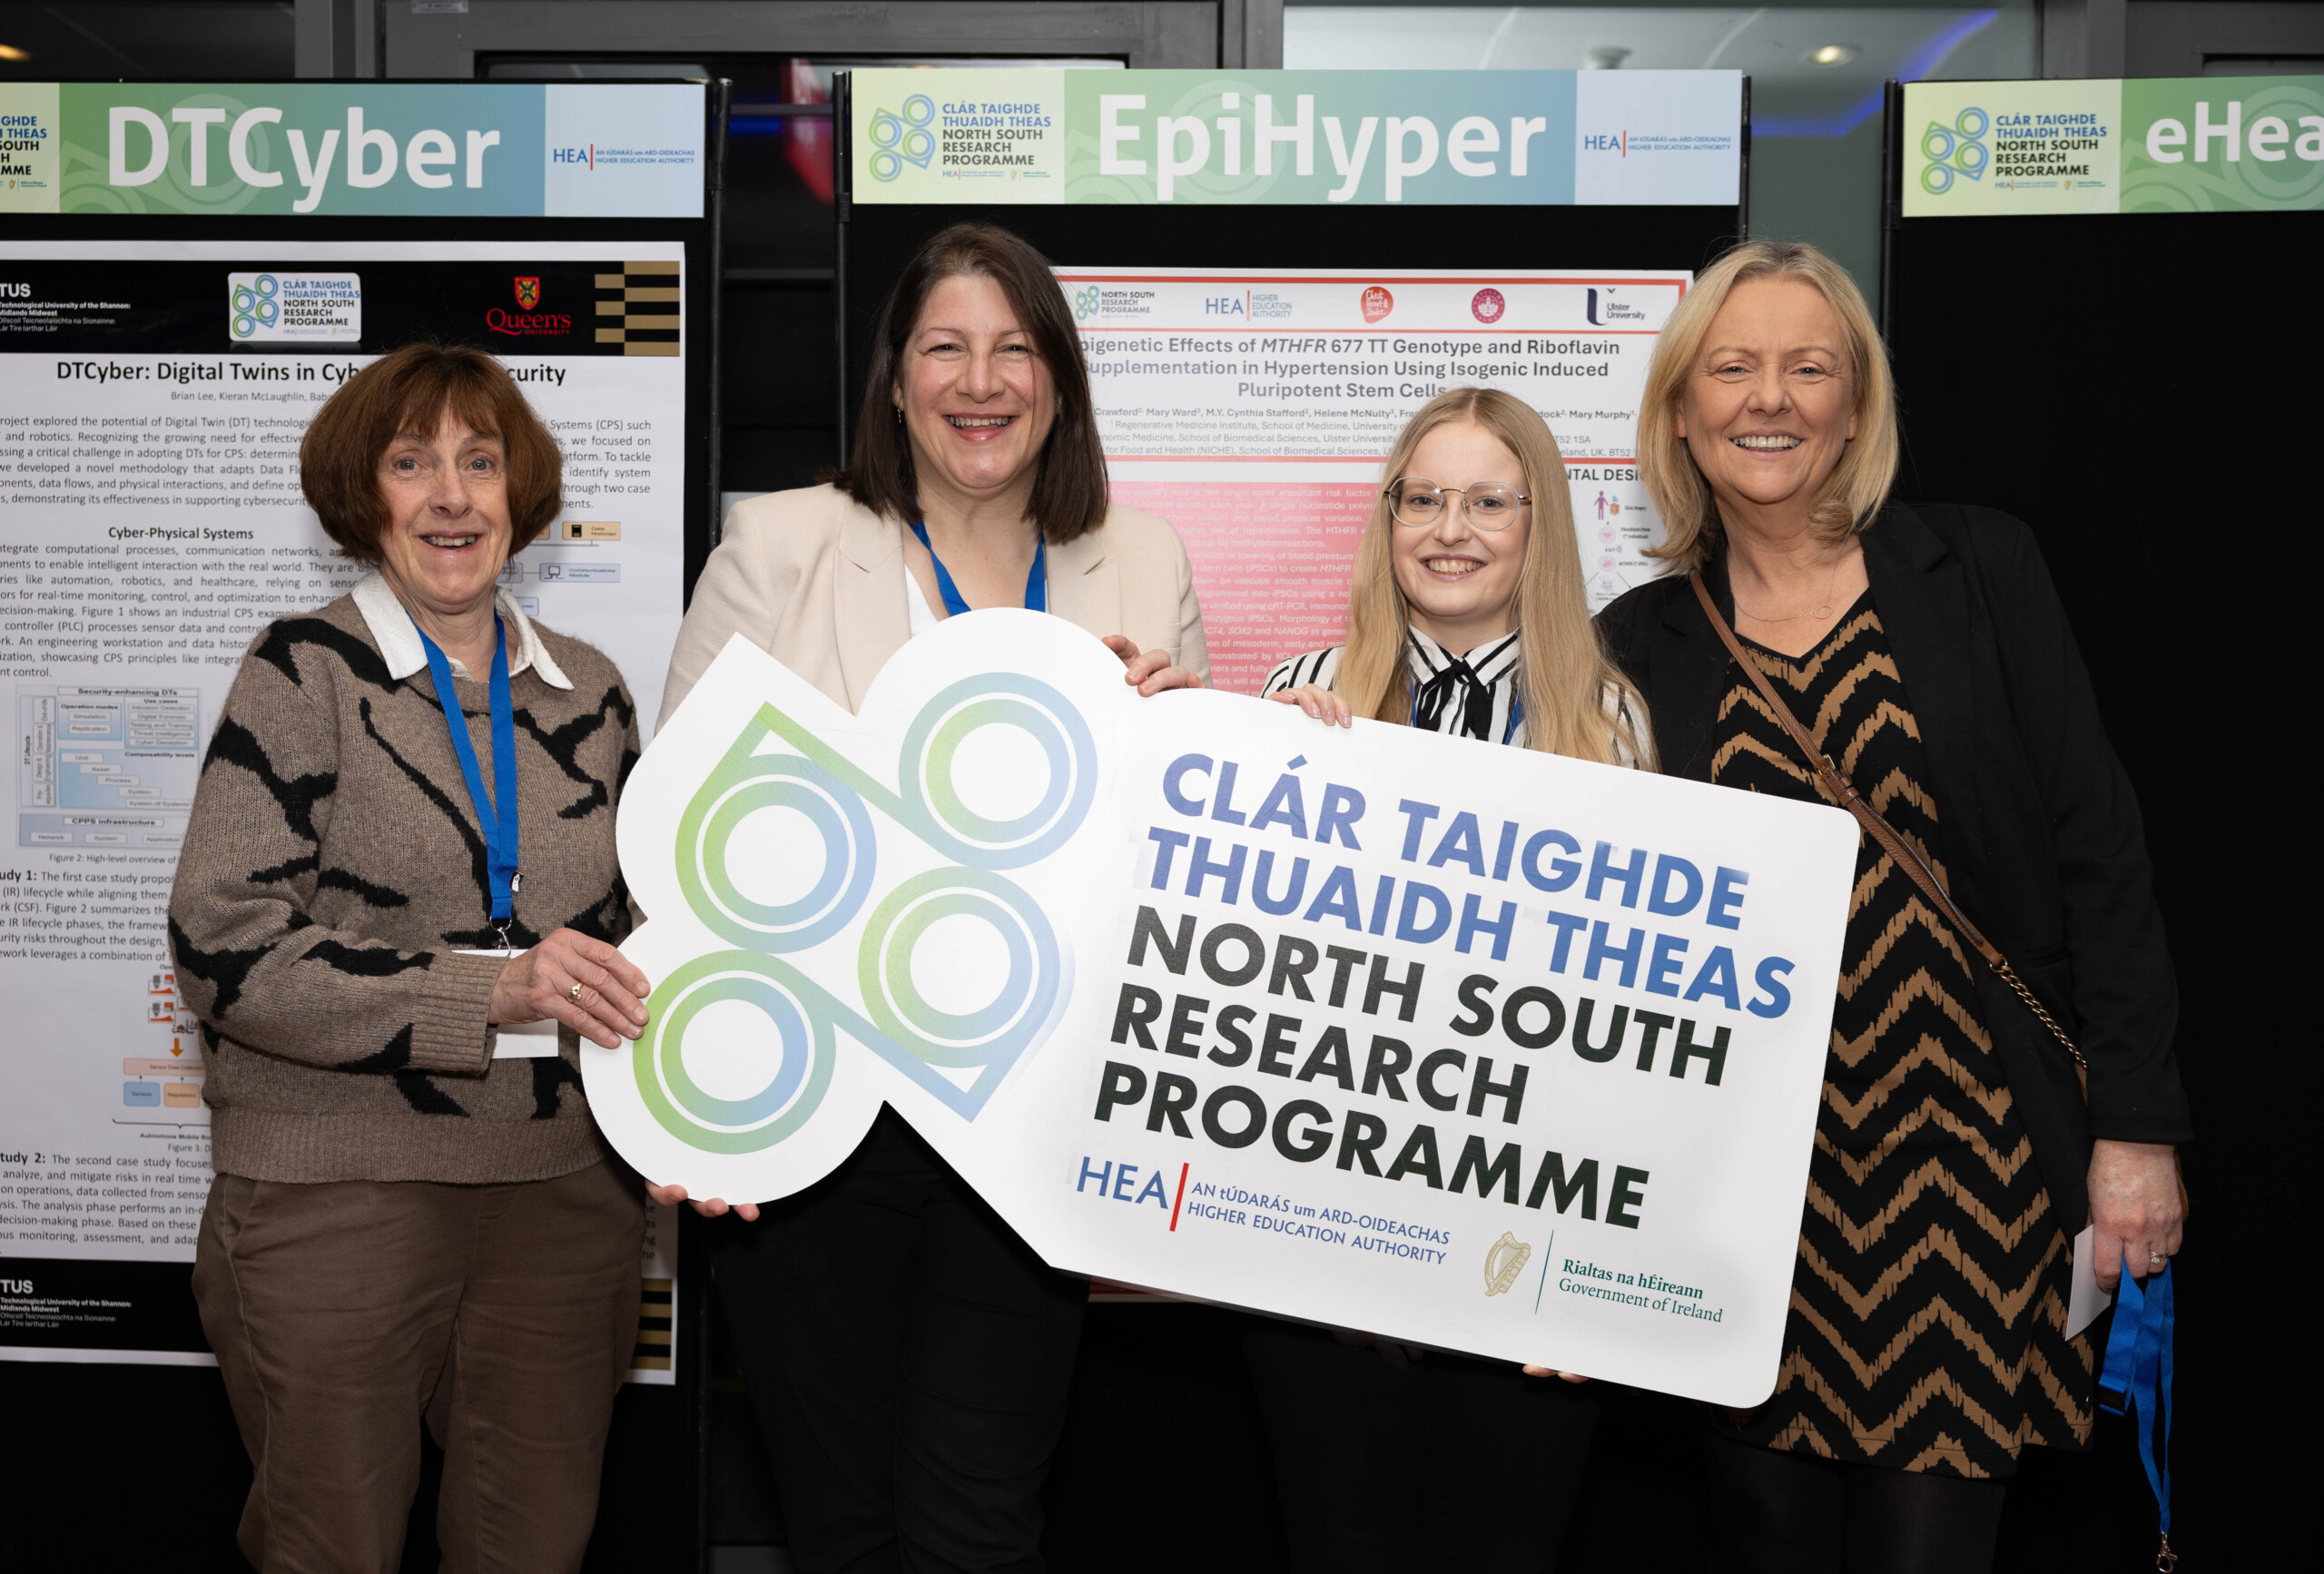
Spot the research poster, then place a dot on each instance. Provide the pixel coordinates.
(1473, 1046)
(152, 397)
(1252, 410)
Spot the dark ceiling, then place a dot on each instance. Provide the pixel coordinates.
(201, 40)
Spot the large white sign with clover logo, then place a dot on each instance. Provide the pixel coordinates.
(1468, 1046)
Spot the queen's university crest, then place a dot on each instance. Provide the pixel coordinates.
(1503, 1258)
(528, 294)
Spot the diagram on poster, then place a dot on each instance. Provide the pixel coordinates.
(1252, 410)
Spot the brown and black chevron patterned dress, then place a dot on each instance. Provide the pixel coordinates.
(1928, 1328)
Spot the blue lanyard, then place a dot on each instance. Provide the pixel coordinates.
(2136, 1382)
(497, 818)
(1037, 583)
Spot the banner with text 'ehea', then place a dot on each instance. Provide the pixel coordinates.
(2195, 144)
(1436, 137)
(338, 150)
(1475, 1047)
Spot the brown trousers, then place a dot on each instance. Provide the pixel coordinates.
(346, 1315)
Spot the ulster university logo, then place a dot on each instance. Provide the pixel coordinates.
(528, 294)
(1503, 1258)
(959, 1059)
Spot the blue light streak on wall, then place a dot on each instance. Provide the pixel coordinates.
(1917, 66)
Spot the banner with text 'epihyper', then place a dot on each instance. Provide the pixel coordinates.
(1470, 1045)
(1298, 136)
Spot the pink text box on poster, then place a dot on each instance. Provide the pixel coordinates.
(1271, 564)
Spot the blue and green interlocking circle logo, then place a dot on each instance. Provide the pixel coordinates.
(959, 1056)
(1085, 304)
(1955, 152)
(255, 305)
(802, 1069)
(905, 139)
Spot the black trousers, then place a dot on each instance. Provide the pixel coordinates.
(909, 1359)
(1786, 1513)
(1409, 1467)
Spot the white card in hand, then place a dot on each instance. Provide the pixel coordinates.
(525, 1040)
(2086, 1300)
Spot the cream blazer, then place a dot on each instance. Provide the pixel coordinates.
(816, 580)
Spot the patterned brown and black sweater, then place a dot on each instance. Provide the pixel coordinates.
(333, 870)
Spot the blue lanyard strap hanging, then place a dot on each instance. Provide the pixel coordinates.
(2136, 1384)
(1037, 583)
(496, 817)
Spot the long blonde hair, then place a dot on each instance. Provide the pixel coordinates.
(1563, 674)
(1856, 488)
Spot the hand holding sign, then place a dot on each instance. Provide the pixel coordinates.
(1479, 1048)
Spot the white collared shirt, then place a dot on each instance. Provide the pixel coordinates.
(398, 637)
(1494, 665)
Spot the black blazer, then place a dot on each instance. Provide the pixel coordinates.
(2041, 837)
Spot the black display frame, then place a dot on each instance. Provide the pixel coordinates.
(2045, 364)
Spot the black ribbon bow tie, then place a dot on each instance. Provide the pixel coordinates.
(1456, 682)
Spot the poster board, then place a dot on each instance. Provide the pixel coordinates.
(1641, 178)
(194, 268)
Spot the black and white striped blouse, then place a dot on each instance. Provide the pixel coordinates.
(1471, 696)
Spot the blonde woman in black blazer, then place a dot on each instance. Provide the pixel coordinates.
(1926, 652)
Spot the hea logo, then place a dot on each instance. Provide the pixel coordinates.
(1224, 306)
(1958, 150)
(898, 140)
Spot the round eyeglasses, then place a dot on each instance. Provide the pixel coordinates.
(1487, 505)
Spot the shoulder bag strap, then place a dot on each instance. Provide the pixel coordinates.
(1906, 856)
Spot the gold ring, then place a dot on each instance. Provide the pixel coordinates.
(574, 994)
(2156, 1257)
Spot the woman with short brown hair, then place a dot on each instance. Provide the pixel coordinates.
(401, 855)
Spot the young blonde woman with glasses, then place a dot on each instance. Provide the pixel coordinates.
(1469, 564)
(1465, 616)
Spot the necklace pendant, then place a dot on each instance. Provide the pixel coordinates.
(1824, 611)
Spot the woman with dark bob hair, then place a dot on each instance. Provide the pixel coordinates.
(910, 1355)
(402, 850)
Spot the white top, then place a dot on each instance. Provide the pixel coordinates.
(923, 616)
(1472, 696)
(398, 637)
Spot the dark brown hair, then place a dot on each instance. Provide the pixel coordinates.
(1070, 487)
(410, 390)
